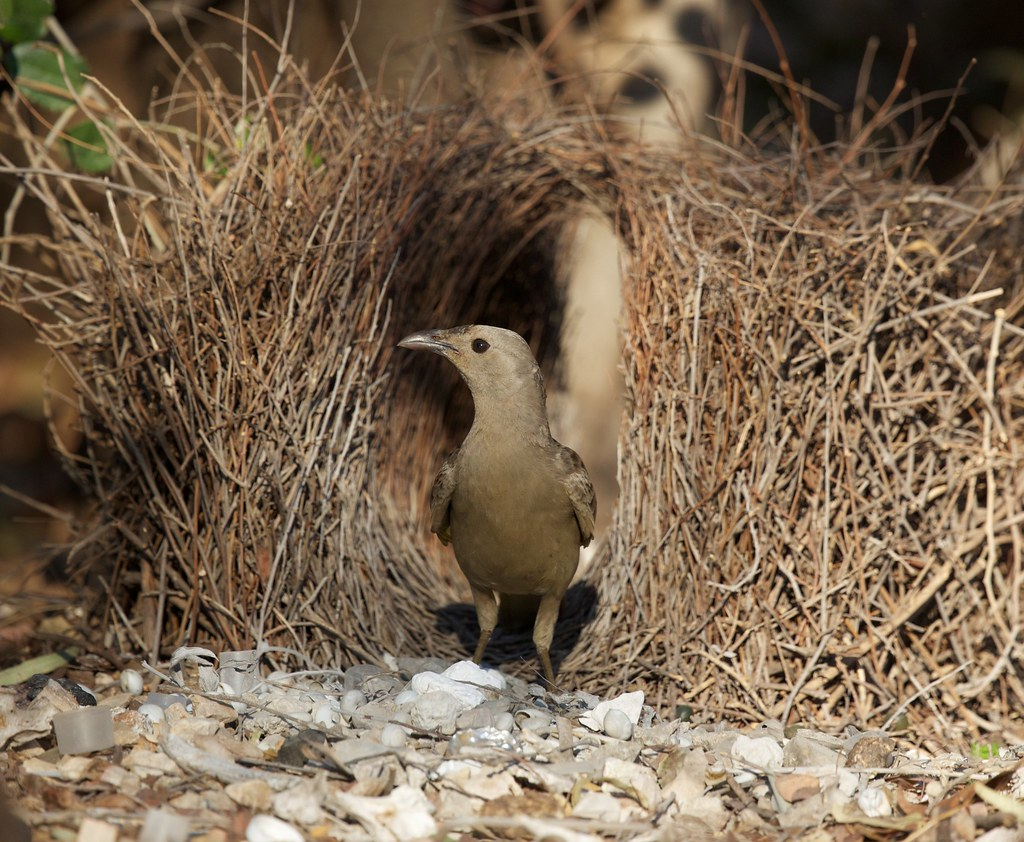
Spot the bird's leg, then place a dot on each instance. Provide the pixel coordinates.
(544, 631)
(487, 617)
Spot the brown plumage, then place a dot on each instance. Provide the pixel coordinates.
(515, 504)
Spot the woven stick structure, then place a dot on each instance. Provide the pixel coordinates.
(820, 462)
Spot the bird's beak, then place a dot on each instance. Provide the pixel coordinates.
(429, 340)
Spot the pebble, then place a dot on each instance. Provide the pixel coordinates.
(465, 695)
(154, 713)
(406, 697)
(325, 715)
(410, 666)
(874, 802)
(535, 721)
(617, 724)
(631, 704)
(806, 750)
(356, 675)
(471, 737)
(486, 737)
(757, 755)
(478, 717)
(871, 751)
(470, 673)
(265, 828)
(131, 681)
(436, 710)
(504, 721)
(393, 736)
(352, 701)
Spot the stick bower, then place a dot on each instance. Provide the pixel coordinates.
(820, 461)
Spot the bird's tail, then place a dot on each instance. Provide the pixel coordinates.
(516, 612)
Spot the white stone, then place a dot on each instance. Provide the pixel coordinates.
(352, 701)
(469, 673)
(707, 808)
(430, 682)
(163, 825)
(436, 710)
(121, 779)
(403, 814)
(393, 736)
(146, 763)
(633, 779)
(535, 721)
(600, 806)
(450, 804)
(271, 829)
(72, 768)
(255, 795)
(94, 830)
(298, 705)
(1002, 834)
(406, 697)
(617, 725)
(324, 714)
(302, 803)
(154, 713)
(629, 703)
(874, 803)
(131, 681)
(472, 778)
(194, 726)
(754, 756)
(849, 782)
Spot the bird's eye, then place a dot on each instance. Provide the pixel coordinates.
(480, 345)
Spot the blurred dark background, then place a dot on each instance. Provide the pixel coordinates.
(826, 42)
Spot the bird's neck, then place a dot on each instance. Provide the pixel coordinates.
(519, 412)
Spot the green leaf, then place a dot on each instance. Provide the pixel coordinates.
(86, 148)
(41, 78)
(24, 20)
(43, 664)
(985, 751)
(314, 158)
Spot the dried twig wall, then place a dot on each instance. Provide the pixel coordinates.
(227, 308)
(820, 463)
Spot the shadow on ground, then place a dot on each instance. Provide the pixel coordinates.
(578, 609)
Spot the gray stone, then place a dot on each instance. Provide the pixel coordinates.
(382, 685)
(408, 667)
(478, 717)
(436, 711)
(872, 751)
(804, 750)
(357, 674)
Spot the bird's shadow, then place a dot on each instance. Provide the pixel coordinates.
(578, 609)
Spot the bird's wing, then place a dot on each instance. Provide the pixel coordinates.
(580, 490)
(441, 499)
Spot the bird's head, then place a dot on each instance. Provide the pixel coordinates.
(496, 364)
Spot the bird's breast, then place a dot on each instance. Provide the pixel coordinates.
(513, 525)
